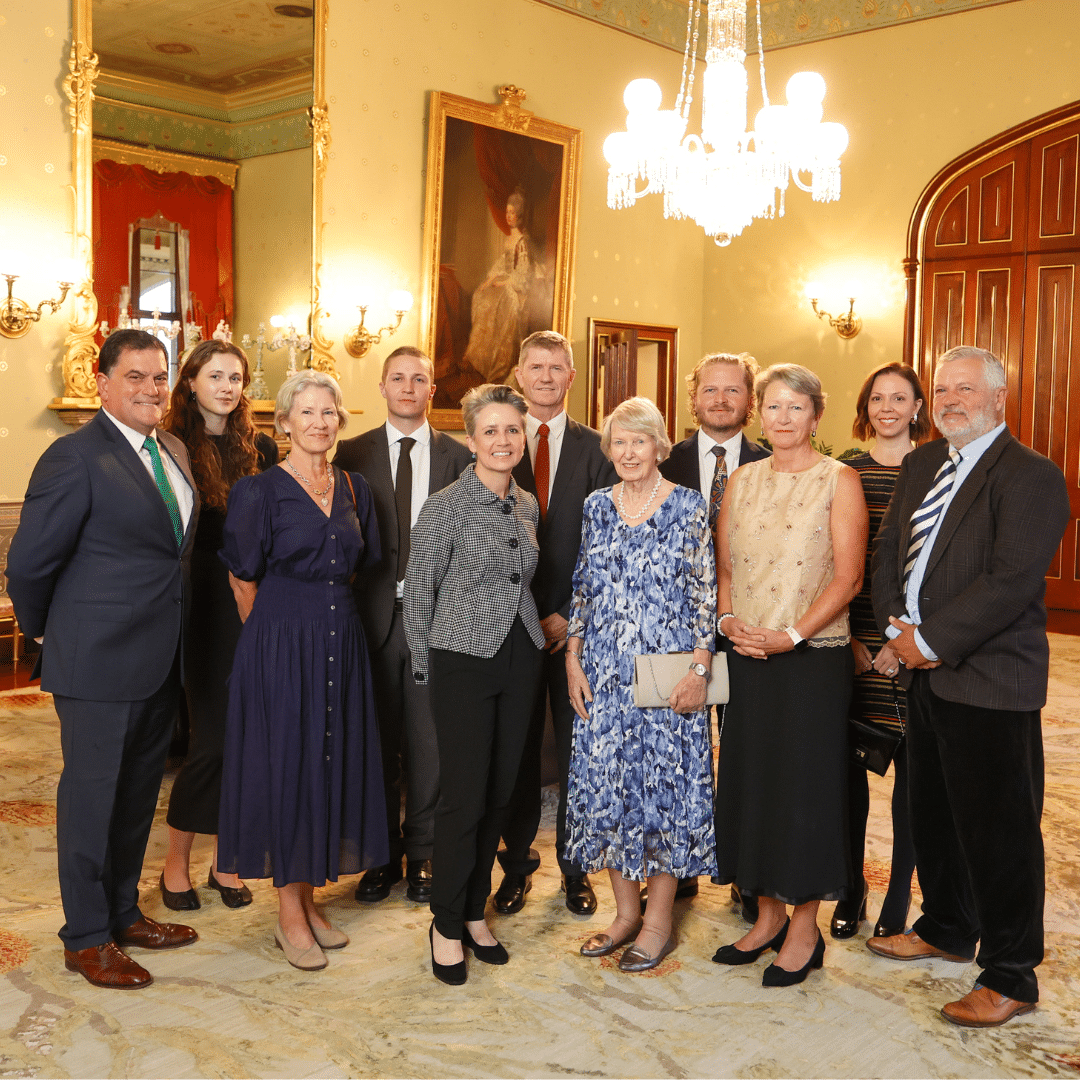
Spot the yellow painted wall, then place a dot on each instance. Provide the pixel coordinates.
(913, 98)
(35, 223)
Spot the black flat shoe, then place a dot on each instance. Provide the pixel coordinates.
(728, 954)
(487, 954)
(580, 898)
(451, 974)
(232, 898)
(179, 901)
(376, 884)
(418, 875)
(510, 895)
(847, 915)
(778, 976)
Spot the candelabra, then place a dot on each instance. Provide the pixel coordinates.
(294, 342)
(359, 340)
(257, 389)
(16, 316)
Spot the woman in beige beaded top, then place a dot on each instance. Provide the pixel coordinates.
(790, 550)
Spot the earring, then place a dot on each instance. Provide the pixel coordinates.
(813, 434)
(915, 418)
(191, 396)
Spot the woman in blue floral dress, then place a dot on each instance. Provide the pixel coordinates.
(640, 787)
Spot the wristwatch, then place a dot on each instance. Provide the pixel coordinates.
(797, 640)
(700, 669)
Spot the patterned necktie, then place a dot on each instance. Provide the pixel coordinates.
(719, 482)
(929, 510)
(165, 488)
(403, 501)
(542, 469)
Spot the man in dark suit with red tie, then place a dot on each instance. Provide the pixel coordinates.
(98, 572)
(721, 389)
(563, 467)
(959, 571)
(404, 461)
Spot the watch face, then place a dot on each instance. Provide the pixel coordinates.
(699, 669)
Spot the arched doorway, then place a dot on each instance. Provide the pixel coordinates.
(993, 259)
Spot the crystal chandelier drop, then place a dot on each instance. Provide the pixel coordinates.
(726, 176)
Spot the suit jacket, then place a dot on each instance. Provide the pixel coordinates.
(94, 566)
(682, 466)
(982, 595)
(369, 455)
(583, 468)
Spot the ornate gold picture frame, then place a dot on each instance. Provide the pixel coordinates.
(500, 233)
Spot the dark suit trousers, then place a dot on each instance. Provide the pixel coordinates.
(114, 758)
(523, 813)
(410, 753)
(482, 709)
(976, 786)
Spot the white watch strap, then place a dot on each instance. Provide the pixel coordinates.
(794, 634)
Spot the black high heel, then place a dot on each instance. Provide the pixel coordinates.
(848, 914)
(728, 954)
(451, 974)
(778, 976)
(884, 929)
(487, 954)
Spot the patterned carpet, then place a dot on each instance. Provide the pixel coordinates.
(231, 1006)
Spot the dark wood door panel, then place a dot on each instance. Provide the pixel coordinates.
(1054, 221)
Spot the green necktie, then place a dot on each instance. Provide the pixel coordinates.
(165, 488)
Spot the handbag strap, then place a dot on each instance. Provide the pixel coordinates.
(352, 492)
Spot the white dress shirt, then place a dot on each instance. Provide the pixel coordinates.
(185, 498)
(969, 456)
(556, 431)
(421, 468)
(708, 461)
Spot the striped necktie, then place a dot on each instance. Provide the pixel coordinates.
(163, 485)
(925, 517)
(719, 482)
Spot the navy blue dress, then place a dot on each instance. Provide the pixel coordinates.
(302, 790)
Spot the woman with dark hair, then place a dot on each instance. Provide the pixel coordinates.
(891, 410)
(210, 414)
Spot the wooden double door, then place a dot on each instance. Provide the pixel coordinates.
(994, 261)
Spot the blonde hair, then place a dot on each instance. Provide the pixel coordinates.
(298, 383)
(744, 361)
(640, 415)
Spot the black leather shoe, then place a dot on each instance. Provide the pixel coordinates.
(376, 884)
(231, 898)
(882, 928)
(451, 974)
(179, 901)
(580, 898)
(749, 904)
(510, 895)
(848, 914)
(778, 976)
(686, 888)
(728, 954)
(418, 875)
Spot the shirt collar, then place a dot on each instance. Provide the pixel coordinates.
(556, 425)
(136, 438)
(707, 442)
(481, 492)
(977, 447)
(422, 434)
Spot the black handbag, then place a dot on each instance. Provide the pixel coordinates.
(874, 747)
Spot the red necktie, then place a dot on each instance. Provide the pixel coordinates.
(541, 469)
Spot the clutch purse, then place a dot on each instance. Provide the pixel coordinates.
(657, 674)
(874, 747)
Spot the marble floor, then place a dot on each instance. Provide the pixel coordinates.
(231, 1006)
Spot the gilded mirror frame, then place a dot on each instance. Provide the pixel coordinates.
(79, 397)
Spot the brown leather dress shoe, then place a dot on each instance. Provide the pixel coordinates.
(105, 965)
(983, 1008)
(910, 946)
(147, 934)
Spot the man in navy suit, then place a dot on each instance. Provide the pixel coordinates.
(563, 467)
(721, 389)
(97, 572)
(404, 461)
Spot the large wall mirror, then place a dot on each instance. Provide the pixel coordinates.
(198, 165)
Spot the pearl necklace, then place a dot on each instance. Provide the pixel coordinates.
(304, 480)
(645, 507)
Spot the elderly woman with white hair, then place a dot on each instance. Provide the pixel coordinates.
(302, 797)
(640, 783)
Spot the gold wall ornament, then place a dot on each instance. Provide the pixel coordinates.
(846, 325)
(17, 316)
(359, 339)
(510, 114)
(165, 161)
(79, 84)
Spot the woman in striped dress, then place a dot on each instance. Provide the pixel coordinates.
(891, 411)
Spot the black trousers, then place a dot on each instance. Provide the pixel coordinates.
(114, 758)
(410, 755)
(482, 710)
(523, 814)
(976, 788)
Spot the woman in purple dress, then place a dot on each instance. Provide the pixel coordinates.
(302, 799)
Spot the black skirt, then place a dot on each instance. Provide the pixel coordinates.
(781, 786)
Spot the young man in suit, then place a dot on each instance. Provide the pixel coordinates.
(563, 466)
(403, 460)
(721, 389)
(98, 572)
(959, 571)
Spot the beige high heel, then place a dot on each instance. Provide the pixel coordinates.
(311, 959)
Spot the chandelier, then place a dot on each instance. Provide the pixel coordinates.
(726, 176)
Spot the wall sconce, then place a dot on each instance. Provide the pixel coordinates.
(359, 340)
(846, 325)
(16, 316)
